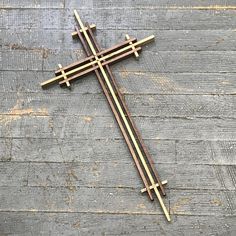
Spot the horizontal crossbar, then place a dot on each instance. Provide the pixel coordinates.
(95, 67)
(103, 58)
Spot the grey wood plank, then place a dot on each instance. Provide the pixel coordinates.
(37, 223)
(139, 105)
(106, 175)
(6, 4)
(103, 200)
(149, 4)
(124, 18)
(105, 127)
(82, 150)
(86, 150)
(162, 61)
(206, 152)
(22, 59)
(166, 40)
(13, 175)
(129, 82)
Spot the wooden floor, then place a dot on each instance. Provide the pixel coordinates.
(65, 168)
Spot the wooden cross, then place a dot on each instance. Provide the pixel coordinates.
(99, 61)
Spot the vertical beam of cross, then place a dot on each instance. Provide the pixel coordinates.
(119, 121)
(99, 63)
(123, 116)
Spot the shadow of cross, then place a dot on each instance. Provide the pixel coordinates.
(99, 61)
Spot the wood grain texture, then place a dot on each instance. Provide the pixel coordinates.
(124, 18)
(41, 126)
(85, 199)
(84, 150)
(221, 106)
(157, 4)
(130, 83)
(64, 166)
(11, 4)
(159, 62)
(28, 223)
(72, 175)
(176, 40)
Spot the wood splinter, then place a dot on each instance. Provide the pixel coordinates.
(99, 61)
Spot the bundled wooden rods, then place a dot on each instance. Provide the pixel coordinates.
(99, 61)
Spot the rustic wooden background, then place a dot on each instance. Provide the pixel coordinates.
(65, 169)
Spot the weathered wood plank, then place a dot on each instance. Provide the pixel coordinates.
(102, 175)
(6, 4)
(124, 18)
(166, 40)
(108, 150)
(149, 4)
(33, 126)
(162, 61)
(13, 174)
(139, 105)
(22, 59)
(28, 223)
(103, 200)
(199, 152)
(83, 150)
(130, 83)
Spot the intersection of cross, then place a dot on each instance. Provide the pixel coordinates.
(99, 61)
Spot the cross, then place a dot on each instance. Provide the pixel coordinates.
(99, 61)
